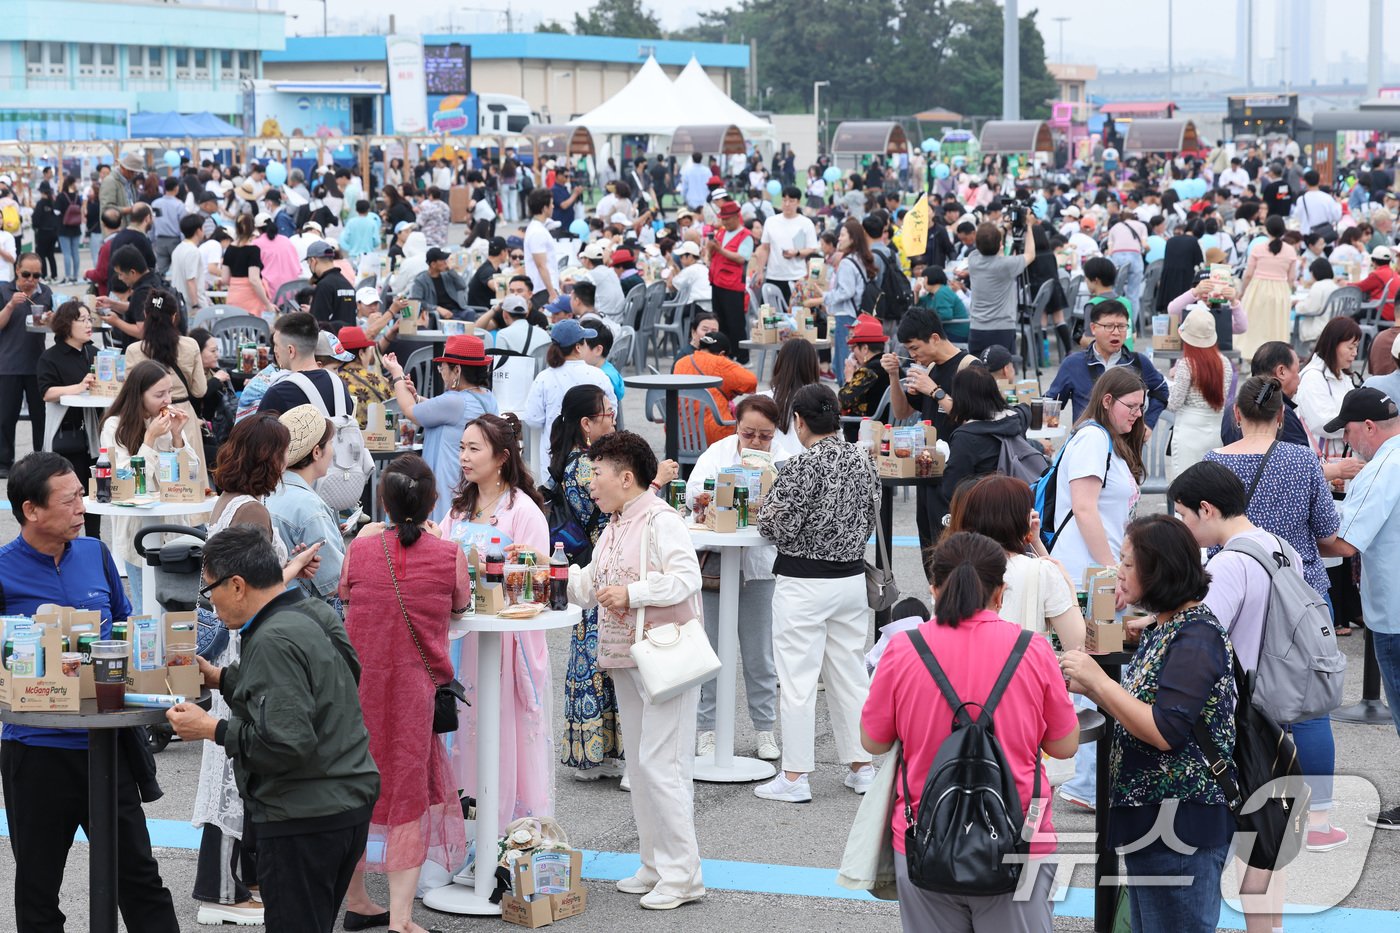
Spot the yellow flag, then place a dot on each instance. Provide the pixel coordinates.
(914, 233)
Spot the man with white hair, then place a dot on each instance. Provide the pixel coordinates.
(609, 295)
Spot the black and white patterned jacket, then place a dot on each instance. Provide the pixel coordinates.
(821, 510)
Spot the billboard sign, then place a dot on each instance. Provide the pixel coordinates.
(407, 87)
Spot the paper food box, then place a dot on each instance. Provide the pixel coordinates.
(1164, 332)
(75, 623)
(722, 516)
(907, 452)
(36, 679)
(162, 655)
(487, 598)
(377, 435)
(767, 326)
(1103, 637)
(110, 366)
(177, 476)
(817, 271)
(545, 887)
(408, 318)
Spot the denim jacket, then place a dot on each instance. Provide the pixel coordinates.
(302, 517)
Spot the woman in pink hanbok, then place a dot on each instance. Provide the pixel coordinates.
(497, 499)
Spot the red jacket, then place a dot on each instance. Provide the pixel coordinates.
(726, 273)
(99, 273)
(1381, 279)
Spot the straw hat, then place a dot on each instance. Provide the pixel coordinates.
(247, 191)
(307, 426)
(1198, 328)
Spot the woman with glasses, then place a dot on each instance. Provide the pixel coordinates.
(711, 358)
(757, 442)
(64, 369)
(1096, 487)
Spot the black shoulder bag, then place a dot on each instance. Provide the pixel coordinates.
(445, 696)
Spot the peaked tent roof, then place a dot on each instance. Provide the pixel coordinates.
(706, 104)
(210, 125)
(154, 125)
(647, 105)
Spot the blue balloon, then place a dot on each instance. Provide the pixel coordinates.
(579, 228)
(775, 187)
(940, 171)
(172, 158)
(832, 174)
(276, 174)
(929, 145)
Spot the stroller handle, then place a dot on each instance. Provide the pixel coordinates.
(141, 535)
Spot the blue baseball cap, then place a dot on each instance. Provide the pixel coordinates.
(561, 305)
(569, 332)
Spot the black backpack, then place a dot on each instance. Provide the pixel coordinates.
(869, 300)
(896, 294)
(1268, 797)
(969, 837)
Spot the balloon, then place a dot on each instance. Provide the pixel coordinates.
(940, 171)
(775, 187)
(172, 158)
(276, 174)
(832, 174)
(579, 228)
(959, 161)
(929, 145)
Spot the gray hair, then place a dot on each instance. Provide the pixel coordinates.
(244, 551)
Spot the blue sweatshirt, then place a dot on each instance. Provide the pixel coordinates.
(85, 578)
(1074, 383)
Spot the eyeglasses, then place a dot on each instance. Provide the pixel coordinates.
(1113, 328)
(206, 590)
(27, 275)
(610, 414)
(1132, 409)
(764, 436)
(84, 319)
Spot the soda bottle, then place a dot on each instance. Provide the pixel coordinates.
(529, 561)
(496, 563)
(558, 578)
(103, 472)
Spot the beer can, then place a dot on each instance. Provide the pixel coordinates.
(120, 631)
(138, 467)
(675, 494)
(85, 646)
(6, 651)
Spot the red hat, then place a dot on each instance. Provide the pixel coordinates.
(867, 329)
(353, 338)
(622, 257)
(463, 350)
(715, 182)
(728, 209)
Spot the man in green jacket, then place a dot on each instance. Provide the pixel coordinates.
(295, 731)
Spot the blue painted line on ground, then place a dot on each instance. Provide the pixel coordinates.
(804, 881)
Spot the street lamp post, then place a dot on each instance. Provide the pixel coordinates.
(817, 109)
(1061, 20)
(1171, 74)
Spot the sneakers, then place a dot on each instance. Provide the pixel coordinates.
(767, 747)
(860, 781)
(706, 745)
(625, 783)
(781, 789)
(1076, 800)
(1386, 819)
(635, 885)
(655, 900)
(219, 914)
(1326, 840)
(610, 768)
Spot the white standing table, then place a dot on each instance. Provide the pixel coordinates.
(457, 898)
(1048, 434)
(93, 406)
(149, 515)
(724, 766)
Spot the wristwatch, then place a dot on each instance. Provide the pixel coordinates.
(939, 395)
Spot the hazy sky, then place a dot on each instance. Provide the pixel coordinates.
(1105, 32)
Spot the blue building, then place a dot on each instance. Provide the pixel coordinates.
(77, 69)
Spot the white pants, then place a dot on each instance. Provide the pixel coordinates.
(659, 740)
(819, 629)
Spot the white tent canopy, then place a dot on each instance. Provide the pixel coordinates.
(706, 104)
(647, 106)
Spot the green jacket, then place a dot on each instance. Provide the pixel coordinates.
(295, 731)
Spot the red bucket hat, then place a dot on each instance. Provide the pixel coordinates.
(464, 350)
(867, 329)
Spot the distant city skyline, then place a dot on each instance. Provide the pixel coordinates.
(1103, 32)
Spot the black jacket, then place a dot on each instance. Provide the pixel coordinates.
(973, 450)
(334, 299)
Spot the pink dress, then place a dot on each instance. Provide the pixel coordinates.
(527, 737)
(418, 816)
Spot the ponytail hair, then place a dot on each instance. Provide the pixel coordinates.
(967, 568)
(409, 493)
(1275, 227)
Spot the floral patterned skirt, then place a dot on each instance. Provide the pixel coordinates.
(591, 728)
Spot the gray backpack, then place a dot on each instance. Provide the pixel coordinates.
(1299, 676)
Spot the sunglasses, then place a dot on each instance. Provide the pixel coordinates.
(27, 275)
(517, 256)
(209, 588)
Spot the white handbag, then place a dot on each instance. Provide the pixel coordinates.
(671, 658)
(867, 863)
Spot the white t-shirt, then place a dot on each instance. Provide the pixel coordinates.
(538, 240)
(510, 382)
(211, 252)
(695, 278)
(782, 233)
(546, 395)
(1052, 596)
(608, 297)
(7, 268)
(186, 263)
(1085, 455)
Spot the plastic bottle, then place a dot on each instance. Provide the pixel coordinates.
(496, 563)
(529, 560)
(1045, 350)
(103, 471)
(558, 578)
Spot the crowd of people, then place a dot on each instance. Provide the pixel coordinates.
(320, 761)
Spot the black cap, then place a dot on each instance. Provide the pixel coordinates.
(206, 196)
(435, 255)
(1364, 404)
(996, 357)
(497, 246)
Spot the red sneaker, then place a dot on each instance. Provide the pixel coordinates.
(1326, 840)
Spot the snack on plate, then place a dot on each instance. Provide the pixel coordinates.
(521, 611)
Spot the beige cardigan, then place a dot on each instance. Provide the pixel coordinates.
(187, 355)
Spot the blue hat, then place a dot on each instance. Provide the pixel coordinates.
(569, 332)
(514, 241)
(561, 305)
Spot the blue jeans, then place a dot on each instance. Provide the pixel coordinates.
(1085, 783)
(1130, 279)
(1388, 660)
(94, 246)
(1317, 754)
(839, 350)
(69, 245)
(133, 579)
(1190, 908)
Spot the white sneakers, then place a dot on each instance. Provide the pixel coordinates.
(655, 900)
(767, 747)
(635, 885)
(706, 745)
(610, 768)
(219, 914)
(860, 781)
(781, 789)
